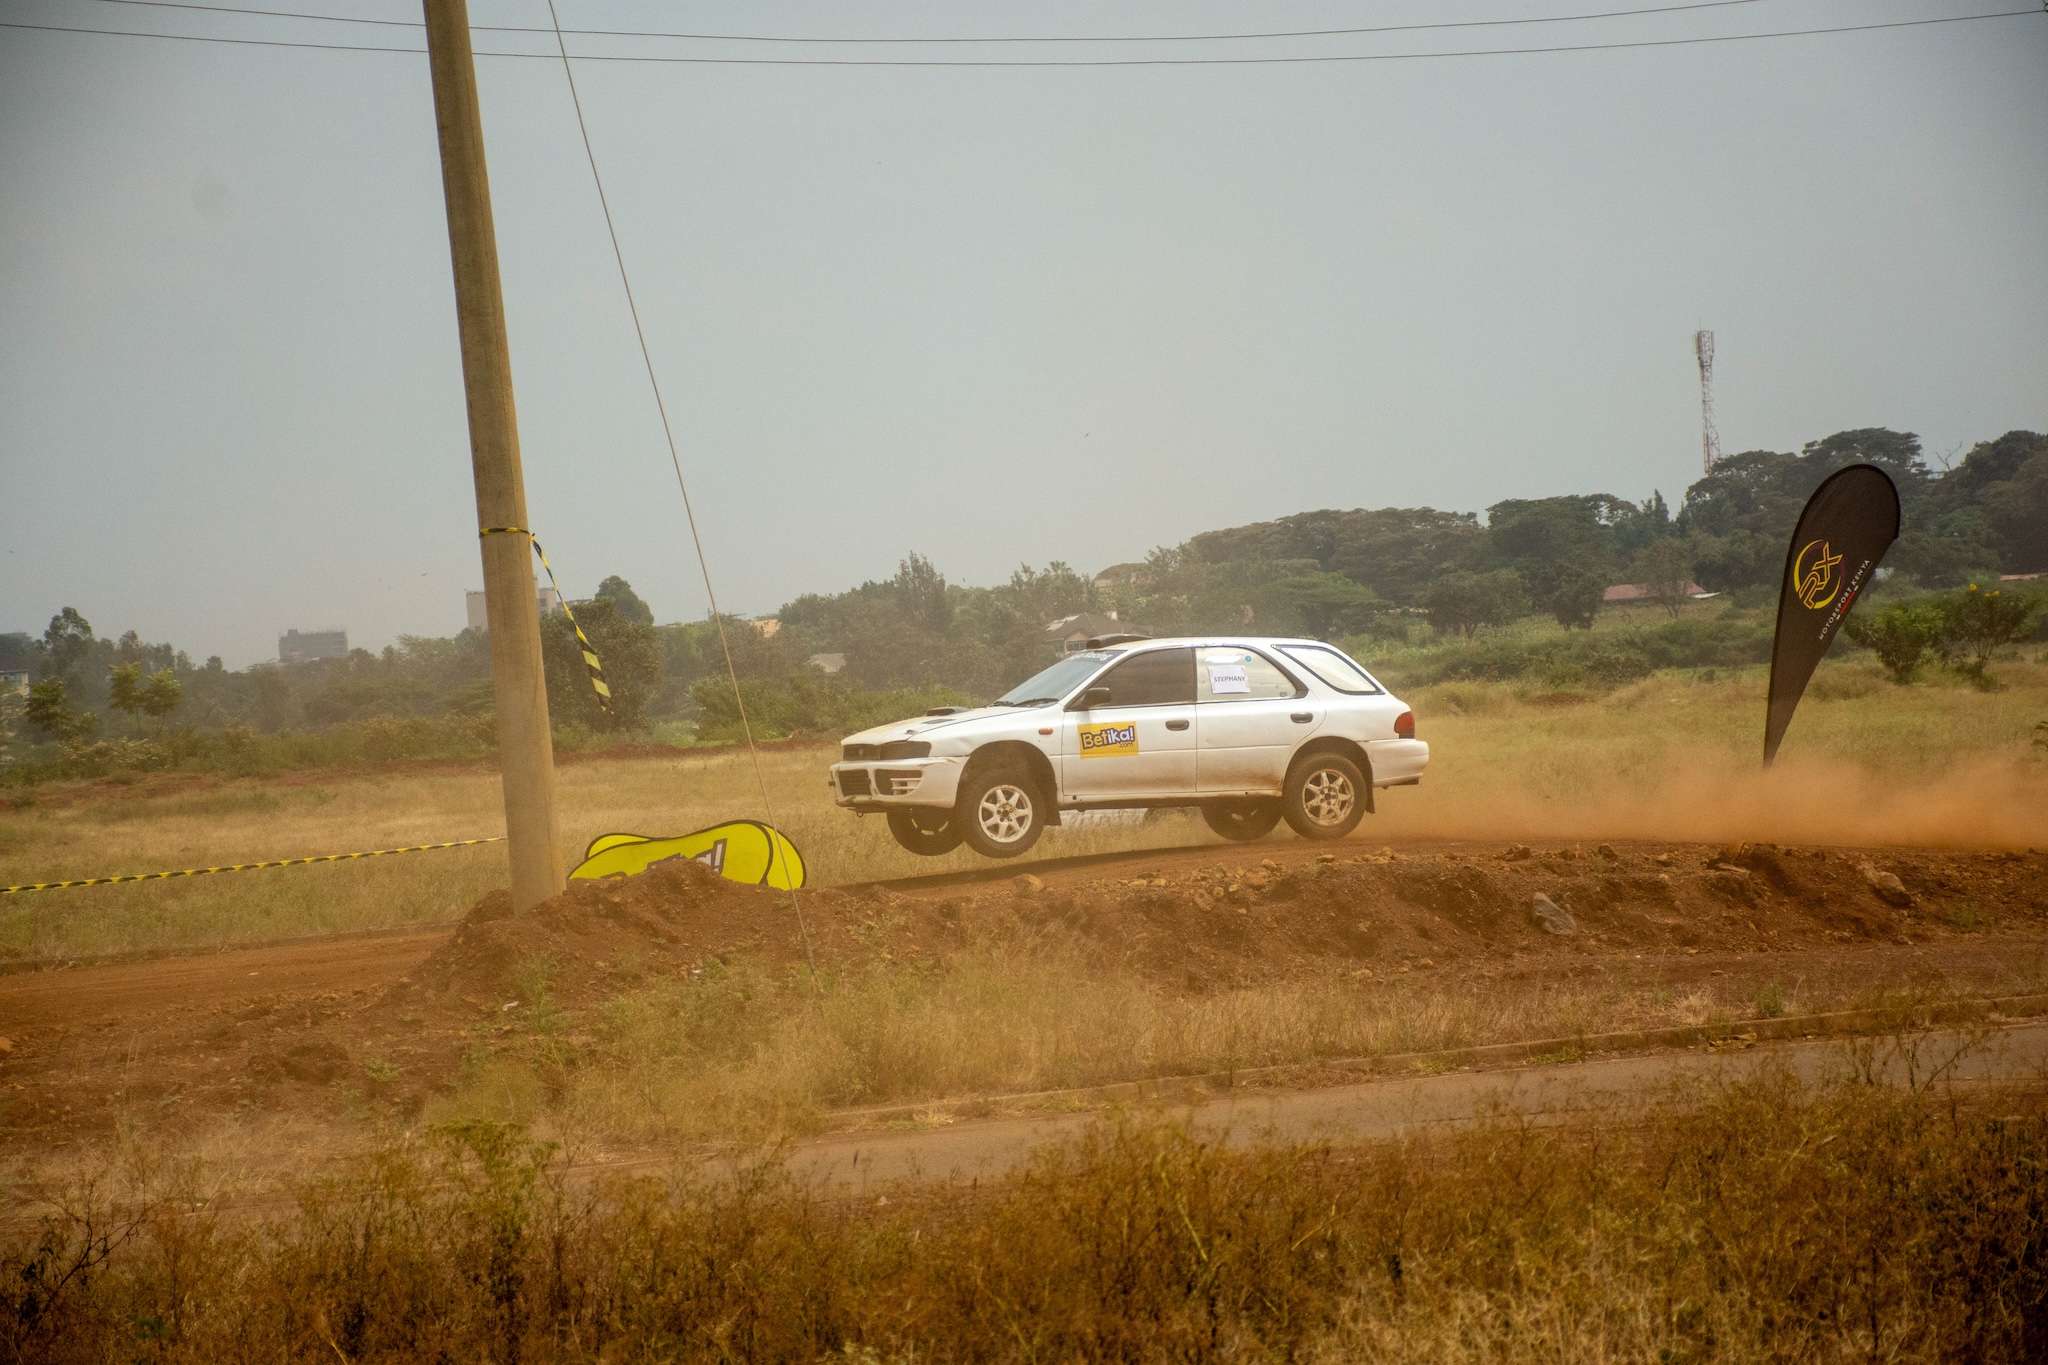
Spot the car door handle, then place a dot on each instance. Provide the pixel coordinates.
(1176, 725)
(1302, 717)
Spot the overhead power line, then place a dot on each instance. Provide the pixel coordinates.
(1049, 62)
(1000, 38)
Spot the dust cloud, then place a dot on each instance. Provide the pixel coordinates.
(1982, 804)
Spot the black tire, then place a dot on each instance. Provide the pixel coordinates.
(1001, 811)
(925, 831)
(1242, 820)
(1324, 796)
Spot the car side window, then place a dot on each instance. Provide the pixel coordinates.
(1234, 674)
(1160, 677)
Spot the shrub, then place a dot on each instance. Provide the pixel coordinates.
(1901, 636)
(1976, 624)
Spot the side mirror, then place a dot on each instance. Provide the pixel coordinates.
(1092, 698)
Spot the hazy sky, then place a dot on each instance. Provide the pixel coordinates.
(992, 315)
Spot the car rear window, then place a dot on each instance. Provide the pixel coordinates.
(1335, 669)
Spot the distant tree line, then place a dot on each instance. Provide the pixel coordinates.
(916, 636)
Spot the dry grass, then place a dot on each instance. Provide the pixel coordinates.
(741, 1053)
(1765, 1220)
(1670, 757)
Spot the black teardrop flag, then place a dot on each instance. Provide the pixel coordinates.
(1848, 524)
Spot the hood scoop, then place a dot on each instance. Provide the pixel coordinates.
(945, 710)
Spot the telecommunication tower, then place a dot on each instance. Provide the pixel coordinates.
(1710, 439)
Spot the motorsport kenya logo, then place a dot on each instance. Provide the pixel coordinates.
(1108, 741)
(1816, 576)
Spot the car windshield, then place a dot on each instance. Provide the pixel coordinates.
(1050, 684)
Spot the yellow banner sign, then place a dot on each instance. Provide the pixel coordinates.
(740, 850)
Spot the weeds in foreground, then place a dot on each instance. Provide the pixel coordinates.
(1764, 1220)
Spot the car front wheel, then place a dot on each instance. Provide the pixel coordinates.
(1325, 796)
(1242, 820)
(927, 832)
(1001, 811)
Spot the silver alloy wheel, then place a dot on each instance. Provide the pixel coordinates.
(1327, 796)
(1005, 813)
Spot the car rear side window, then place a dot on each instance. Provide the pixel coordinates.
(1236, 674)
(1159, 677)
(1333, 668)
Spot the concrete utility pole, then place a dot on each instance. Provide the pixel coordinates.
(526, 749)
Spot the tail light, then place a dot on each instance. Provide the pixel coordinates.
(1404, 725)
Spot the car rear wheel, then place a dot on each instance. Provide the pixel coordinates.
(1242, 819)
(927, 832)
(1325, 796)
(1001, 811)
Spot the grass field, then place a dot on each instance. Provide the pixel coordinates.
(1671, 757)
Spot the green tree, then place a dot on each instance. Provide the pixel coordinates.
(1467, 602)
(1897, 453)
(921, 593)
(619, 592)
(1665, 568)
(124, 689)
(1575, 595)
(49, 713)
(2017, 511)
(629, 652)
(66, 642)
(160, 695)
(1322, 605)
(1976, 624)
(1901, 636)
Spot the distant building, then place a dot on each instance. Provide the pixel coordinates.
(827, 663)
(545, 598)
(1070, 633)
(13, 682)
(304, 646)
(768, 626)
(1627, 594)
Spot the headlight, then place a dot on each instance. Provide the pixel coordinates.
(906, 748)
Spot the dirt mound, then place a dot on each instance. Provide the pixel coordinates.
(601, 937)
(1229, 923)
(1223, 925)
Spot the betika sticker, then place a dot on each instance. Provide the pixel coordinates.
(1113, 740)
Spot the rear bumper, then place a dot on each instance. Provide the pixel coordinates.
(1397, 762)
(896, 783)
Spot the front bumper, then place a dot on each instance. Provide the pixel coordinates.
(889, 784)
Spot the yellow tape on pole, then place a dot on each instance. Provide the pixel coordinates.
(597, 682)
(245, 867)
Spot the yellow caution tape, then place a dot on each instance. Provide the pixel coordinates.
(245, 867)
(597, 682)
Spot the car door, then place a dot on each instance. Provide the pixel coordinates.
(1251, 717)
(1140, 742)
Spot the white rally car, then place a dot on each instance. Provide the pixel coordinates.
(1251, 730)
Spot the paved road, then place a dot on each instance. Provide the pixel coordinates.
(1383, 1108)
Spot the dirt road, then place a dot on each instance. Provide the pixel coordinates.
(1384, 1108)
